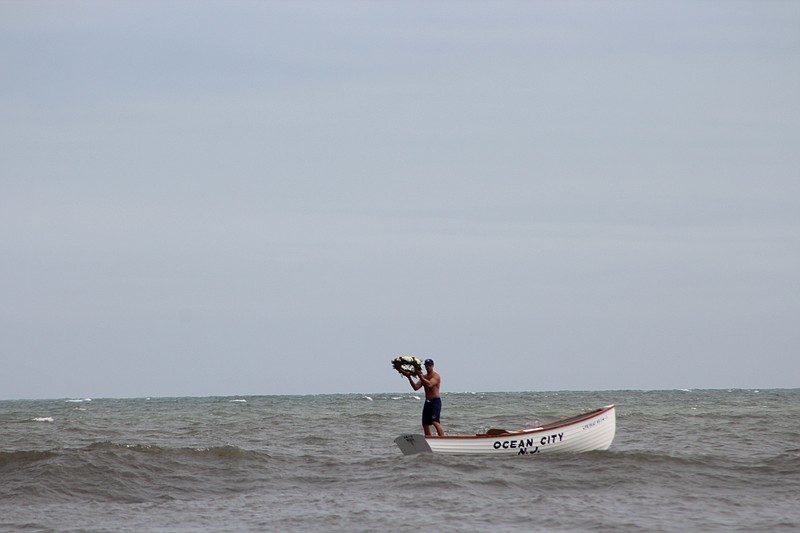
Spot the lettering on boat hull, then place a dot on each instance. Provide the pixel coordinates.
(528, 445)
(595, 422)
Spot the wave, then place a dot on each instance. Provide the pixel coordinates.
(110, 449)
(199, 453)
(128, 473)
(24, 457)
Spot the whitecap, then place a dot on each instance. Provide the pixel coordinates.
(43, 419)
(368, 398)
(238, 401)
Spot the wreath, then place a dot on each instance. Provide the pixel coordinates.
(407, 365)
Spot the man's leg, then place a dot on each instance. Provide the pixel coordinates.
(427, 429)
(439, 428)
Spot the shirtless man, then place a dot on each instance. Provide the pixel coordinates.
(432, 410)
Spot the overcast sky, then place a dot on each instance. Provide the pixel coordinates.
(224, 198)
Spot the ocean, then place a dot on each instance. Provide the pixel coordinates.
(682, 460)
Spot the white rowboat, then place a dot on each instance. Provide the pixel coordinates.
(580, 433)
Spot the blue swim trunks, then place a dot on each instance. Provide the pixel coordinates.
(432, 411)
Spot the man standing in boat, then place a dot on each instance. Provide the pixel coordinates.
(432, 410)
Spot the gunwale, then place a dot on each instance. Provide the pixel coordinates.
(555, 424)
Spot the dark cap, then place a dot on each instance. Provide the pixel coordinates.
(428, 362)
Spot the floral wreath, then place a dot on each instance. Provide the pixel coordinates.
(407, 365)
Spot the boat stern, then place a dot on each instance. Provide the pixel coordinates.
(412, 443)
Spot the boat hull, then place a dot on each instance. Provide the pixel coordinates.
(585, 432)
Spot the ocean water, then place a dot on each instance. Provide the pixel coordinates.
(695, 460)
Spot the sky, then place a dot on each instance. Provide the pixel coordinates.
(245, 198)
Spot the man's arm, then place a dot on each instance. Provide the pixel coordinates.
(417, 385)
(429, 382)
